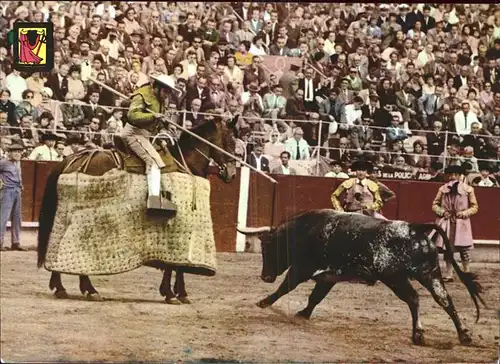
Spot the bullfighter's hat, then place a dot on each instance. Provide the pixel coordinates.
(165, 80)
(362, 165)
(454, 169)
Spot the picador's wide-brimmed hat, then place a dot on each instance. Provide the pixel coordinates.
(362, 165)
(454, 170)
(164, 80)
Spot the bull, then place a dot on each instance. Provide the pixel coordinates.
(330, 247)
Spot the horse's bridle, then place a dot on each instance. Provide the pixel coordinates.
(222, 168)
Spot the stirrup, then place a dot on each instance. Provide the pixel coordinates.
(160, 207)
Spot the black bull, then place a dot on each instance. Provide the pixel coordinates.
(330, 247)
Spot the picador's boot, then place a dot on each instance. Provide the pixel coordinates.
(158, 205)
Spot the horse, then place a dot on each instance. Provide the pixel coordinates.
(197, 156)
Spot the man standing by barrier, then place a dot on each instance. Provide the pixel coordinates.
(362, 194)
(454, 204)
(10, 196)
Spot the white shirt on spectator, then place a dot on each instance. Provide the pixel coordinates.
(44, 153)
(257, 51)
(329, 47)
(337, 175)
(16, 85)
(425, 57)
(258, 161)
(352, 115)
(486, 182)
(462, 125)
(245, 96)
(99, 10)
(285, 170)
(291, 147)
(308, 89)
(2, 79)
(114, 47)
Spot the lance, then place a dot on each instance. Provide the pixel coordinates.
(86, 76)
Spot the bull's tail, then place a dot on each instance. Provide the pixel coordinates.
(48, 212)
(470, 280)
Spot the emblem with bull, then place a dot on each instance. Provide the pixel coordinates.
(330, 247)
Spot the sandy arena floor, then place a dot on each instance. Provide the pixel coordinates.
(354, 323)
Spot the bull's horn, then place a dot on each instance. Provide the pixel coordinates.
(254, 230)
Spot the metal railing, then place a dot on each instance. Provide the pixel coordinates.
(316, 149)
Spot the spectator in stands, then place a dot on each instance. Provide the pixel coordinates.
(7, 106)
(435, 172)
(468, 157)
(257, 160)
(464, 119)
(46, 151)
(274, 103)
(419, 160)
(16, 84)
(436, 140)
(395, 132)
(284, 168)
(381, 55)
(485, 179)
(274, 147)
(336, 171)
(297, 146)
(25, 107)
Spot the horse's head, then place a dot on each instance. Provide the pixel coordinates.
(224, 138)
(218, 132)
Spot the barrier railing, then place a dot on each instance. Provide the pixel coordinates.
(445, 158)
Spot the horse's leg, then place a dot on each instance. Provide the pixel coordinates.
(56, 283)
(180, 286)
(87, 287)
(165, 289)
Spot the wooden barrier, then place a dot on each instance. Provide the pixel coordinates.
(413, 201)
(28, 171)
(294, 194)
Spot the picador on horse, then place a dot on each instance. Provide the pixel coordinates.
(137, 133)
(77, 184)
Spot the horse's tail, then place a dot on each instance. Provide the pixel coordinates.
(48, 211)
(470, 280)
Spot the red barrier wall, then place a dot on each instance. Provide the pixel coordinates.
(28, 174)
(294, 194)
(413, 201)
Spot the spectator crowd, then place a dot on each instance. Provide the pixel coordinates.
(412, 88)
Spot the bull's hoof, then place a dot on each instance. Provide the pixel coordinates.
(62, 294)
(172, 301)
(263, 303)
(465, 337)
(418, 338)
(94, 297)
(184, 300)
(303, 315)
